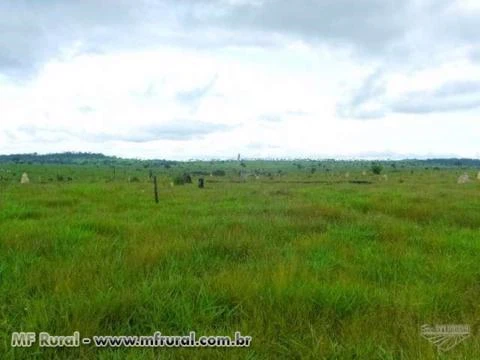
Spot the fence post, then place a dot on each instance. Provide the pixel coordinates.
(155, 188)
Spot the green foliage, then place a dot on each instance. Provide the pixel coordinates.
(312, 269)
(187, 179)
(376, 168)
(219, 173)
(179, 180)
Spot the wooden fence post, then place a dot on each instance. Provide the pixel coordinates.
(155, 188)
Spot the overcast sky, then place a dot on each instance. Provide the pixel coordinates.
(183, 79)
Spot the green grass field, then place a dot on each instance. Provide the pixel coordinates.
(312, 266)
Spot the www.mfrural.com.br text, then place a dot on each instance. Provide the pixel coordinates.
(44, 339)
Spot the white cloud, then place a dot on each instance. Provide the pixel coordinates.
(199, 79)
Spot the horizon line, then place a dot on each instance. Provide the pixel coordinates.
(396, 157)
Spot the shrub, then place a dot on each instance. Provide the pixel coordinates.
(178, 180)
(187, 179)
(377, 168)
(182, 180)
(218, 173)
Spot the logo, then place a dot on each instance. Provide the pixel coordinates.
(445, 337)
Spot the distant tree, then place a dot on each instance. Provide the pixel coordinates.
(376, 168)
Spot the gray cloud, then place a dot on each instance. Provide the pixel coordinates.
(43, 134)
(150, 91)
(278, 117)
(192, 96)
(370, 24)
(176, 130)
(449, 97)
(457, 88)
(404, 35)
(475, 55)
(425, 102)
(32, 32)
(365, 103)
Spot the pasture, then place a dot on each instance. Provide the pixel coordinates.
(311, 264)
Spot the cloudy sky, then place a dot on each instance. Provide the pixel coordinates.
(183, 79)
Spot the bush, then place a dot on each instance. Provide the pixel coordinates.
(377, 168)
(218, 173)
(187, 179)
(178, 180)
(182, 180)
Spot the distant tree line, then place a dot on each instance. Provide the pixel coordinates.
(79, 158)
(86, 158)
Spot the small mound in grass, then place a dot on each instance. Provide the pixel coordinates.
(24, 179)
(463, 179)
